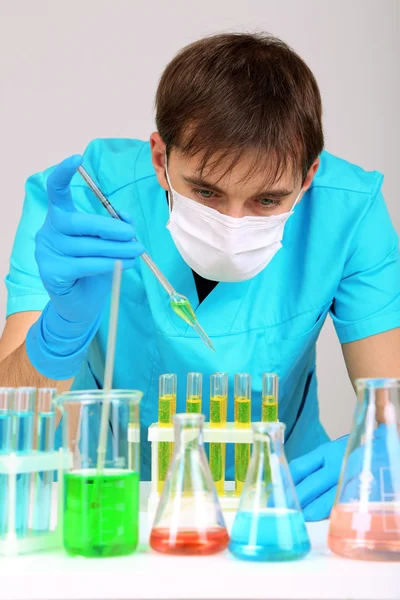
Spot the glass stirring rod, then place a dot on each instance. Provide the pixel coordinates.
(179, 303)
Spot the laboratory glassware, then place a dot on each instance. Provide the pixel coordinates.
(101, 510)
(109, 366)
(22, 443)
(218, 414)
(6, 406)
(43, 480)
(365, 519)
(269, 524)
(269, 411)
(166, 410)
(179, 303)
(194, 393)
(189, 518)
(242, 419)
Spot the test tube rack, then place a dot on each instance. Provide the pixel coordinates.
(11, 466)
(230, 434)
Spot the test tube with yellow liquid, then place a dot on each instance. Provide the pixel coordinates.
(269, 410)
(218, 410)
(194, 393)
(166, 411)
(242, 409)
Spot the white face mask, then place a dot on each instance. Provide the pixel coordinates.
(223, 248)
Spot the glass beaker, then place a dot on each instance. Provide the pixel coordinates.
(365, 520)
(101, 506)
(269, 524)
(189, 518)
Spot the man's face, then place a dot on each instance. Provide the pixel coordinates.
(232, 193)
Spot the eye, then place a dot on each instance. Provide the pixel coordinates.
(203, 194)
(269, 202)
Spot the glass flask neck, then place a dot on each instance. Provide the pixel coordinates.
(268, 437)
(188, 431)
(378, 400)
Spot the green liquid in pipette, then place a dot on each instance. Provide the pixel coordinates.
(184, 310)
(182, 307)
(101, 515)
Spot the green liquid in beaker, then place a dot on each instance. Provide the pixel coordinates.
(101, 514)
(184, 310)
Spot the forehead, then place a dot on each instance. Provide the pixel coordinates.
(247, 170)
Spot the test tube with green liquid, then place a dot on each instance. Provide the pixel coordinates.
(194, 393)
(166, 410)
(242, 419)
(218, 410)
(269, 410)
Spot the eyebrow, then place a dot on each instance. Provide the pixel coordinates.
(202, 183)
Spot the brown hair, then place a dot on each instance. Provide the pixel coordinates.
(231, 94)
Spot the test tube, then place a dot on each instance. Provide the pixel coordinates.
(46, 422)
(194, 393)
(22, 443)
(218, 410)
(242, 409)
(269, 411)
(166, 410)
(6, 403)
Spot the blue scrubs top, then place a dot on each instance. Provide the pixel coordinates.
(339, 256)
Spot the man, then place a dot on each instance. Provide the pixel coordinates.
(246, 215)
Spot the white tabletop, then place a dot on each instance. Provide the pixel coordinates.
(148, 575)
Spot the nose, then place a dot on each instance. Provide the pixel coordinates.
(233, 208)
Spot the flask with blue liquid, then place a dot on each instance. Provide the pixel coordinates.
(269, 525)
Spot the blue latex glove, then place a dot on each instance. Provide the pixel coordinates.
(316, 475)
(75, 253)
(376, 461)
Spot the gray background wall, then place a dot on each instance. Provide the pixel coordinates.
(73, 70)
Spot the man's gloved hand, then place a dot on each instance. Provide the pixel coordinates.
(75, 253)
(371, 463)
(316, 475)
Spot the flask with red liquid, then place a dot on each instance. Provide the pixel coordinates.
(365, 520)
(189, 518)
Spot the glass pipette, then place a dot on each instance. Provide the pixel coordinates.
(179, 303)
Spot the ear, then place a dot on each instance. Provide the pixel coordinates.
(310, 175)
(158, 158)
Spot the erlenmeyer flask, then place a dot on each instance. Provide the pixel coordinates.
(269, 524)
(365, 520)
(189, 519)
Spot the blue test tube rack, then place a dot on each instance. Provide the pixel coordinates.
(13, 465)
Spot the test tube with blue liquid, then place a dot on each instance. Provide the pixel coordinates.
(45, 432)
(22, 443)
(269, 524)
(6, 405)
